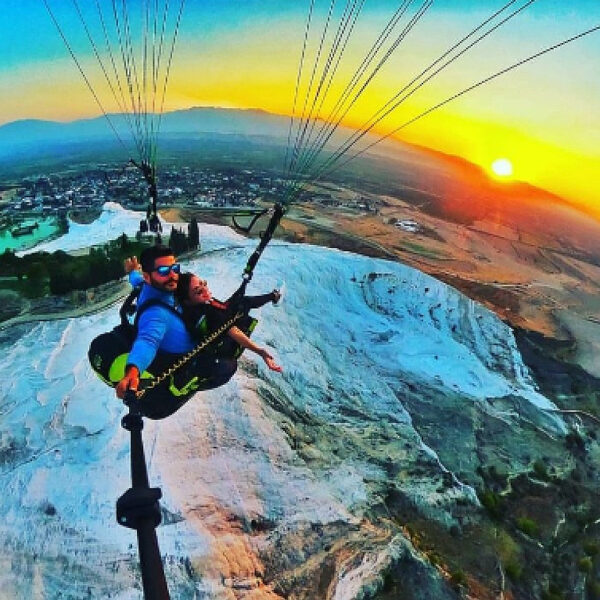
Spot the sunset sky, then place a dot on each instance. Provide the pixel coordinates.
(543, 117)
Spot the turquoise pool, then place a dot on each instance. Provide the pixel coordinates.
(47, 228)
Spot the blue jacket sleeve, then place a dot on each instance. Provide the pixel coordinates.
(152, 327)
(135, 278)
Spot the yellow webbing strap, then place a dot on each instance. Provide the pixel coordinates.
(191, 386)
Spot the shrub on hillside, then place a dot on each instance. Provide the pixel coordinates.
(528, 526)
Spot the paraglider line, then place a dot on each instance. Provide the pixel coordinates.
(89, 85)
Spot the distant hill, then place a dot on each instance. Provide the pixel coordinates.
(36, 136)
(446, 186)
(456, 190)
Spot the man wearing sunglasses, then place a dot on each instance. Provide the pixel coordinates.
(159, 327)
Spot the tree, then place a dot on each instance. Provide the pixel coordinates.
(60, 280)
(193, 234)
(36, 272)
(178, 242)
(9, 262)
(63, 223)
(36, 275)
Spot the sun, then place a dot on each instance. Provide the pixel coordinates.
(502, 168)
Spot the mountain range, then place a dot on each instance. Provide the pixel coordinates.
(37, 135)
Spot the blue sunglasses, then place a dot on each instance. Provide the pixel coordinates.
(164, 270)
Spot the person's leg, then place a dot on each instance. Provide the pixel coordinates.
(224, 369)
(211, 371)
(250, 302)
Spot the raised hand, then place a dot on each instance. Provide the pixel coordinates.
(131, 264)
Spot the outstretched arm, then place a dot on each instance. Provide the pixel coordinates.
(238, 336)
(151, 330)
(131, 264)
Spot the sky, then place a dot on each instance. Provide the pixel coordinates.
(544, 117)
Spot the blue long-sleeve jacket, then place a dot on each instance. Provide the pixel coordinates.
(158, 328)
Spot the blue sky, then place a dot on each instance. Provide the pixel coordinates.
(544, 116)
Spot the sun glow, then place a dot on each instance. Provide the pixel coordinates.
(502, 167)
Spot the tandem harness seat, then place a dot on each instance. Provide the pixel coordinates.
(172, 379)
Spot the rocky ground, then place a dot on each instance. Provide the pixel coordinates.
(539, 285)
(522, 523)
(538, 535)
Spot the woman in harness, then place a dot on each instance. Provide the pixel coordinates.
(202, 313)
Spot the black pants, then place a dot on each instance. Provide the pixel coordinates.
(211, 372)
(249, 302)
